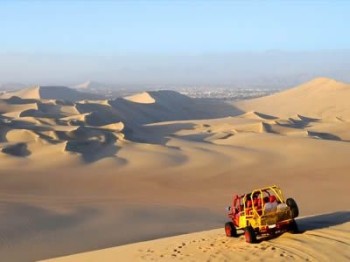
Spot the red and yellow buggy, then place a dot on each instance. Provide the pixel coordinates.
(263, 211)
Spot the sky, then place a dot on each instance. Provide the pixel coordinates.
(149, 32)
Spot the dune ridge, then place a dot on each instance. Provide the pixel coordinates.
(142, 98)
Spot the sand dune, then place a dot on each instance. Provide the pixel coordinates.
(27, 93)
(257, 116)
(13, 109)
(21, 135)
(329, 231)
(34, 118)
(142, 98)
(51, 92)
(314, 99)
(119, 126)
(83, 175)
(127, 116)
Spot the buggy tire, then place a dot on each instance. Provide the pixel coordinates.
(293, 207)
(230, 230)
(293, 227)
(249, 234)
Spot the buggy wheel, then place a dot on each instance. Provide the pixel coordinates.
(249, 234)
(293, 227)
(230, 230)
(293, 207)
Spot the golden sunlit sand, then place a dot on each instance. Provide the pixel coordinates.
(80, 173)
(329, 231)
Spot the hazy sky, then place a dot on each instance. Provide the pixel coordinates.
(42, 36)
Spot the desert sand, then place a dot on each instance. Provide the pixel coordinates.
(318, 240)
(81, 173)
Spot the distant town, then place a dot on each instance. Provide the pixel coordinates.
(215, 93)
(225, 93)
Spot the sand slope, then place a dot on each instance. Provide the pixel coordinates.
(319, 98)
(143, 98)
(322, 238)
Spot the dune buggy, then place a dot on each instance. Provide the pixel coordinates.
(262, 212)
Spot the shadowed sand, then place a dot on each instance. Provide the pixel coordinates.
(82, 174)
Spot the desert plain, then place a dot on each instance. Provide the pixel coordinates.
(133, 178)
